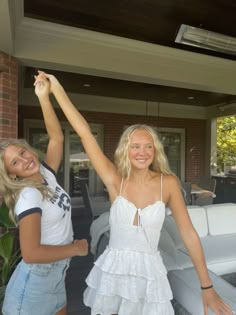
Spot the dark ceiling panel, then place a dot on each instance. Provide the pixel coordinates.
(155, 21)
(78, 83)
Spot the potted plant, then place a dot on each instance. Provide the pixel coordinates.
(9, 248)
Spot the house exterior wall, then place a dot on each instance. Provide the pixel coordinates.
(195, 130)
(8, 96)
(12, 127)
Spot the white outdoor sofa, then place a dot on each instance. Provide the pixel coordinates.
(216, 226)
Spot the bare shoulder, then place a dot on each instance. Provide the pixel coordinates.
(167, 179)
(171, 180)
(171, 187)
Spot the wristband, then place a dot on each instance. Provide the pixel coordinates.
(206, 288)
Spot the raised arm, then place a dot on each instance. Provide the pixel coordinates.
(193, 245)
(103, 166)
(55, 134)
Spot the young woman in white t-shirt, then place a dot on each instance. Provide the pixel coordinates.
(42, 210)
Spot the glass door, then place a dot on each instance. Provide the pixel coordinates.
(171, 143)
(79, 164)
(75, 164)
(38, 139)
(173, 140)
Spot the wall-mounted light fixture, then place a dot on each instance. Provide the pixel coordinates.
(202, 38)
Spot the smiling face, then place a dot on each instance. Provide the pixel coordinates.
(21, 163)
(141, 149)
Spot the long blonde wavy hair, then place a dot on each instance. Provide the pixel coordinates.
(9, 188)
(159, 164)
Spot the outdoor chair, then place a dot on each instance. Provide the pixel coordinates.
(206, 183)
(95, 205)
(186, 191)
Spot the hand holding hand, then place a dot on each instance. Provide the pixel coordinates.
(81, 247)
(42, 85)
(54, 83)
(213, 300)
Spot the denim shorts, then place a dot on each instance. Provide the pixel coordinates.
(36, 289)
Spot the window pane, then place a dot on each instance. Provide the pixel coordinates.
(172, 146)
(38, 139)
(80, 166)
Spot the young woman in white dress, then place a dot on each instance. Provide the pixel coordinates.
(129, 277)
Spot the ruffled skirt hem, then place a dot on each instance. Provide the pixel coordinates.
(128, 283)
(107, 305)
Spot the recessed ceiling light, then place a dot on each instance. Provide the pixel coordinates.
(86, 85)
(191, 97)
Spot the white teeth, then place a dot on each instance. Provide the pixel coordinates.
(31, 165)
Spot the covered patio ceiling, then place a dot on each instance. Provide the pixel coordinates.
(123, 49)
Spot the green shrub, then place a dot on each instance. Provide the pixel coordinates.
(9, 247)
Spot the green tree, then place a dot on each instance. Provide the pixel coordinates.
(226, 141)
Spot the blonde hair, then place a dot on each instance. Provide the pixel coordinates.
(159, 164)
(9, 188)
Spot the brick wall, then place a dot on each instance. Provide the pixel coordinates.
(195, 131)
(8, 96)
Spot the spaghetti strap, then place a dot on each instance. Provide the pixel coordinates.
(121, 185)
(161, 185)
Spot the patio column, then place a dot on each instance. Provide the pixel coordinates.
(8, 96)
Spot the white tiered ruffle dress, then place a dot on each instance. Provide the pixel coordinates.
(129, 278)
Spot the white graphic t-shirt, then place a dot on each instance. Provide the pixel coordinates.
(56, 225)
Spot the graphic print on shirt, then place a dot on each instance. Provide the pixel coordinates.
(62, 199)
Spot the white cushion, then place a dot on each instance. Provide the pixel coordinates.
(171, 227)
(168, 211)
(199, 219)
(166, 243)
(221, 218)
(169, 253)
(219, 254)
(186, 290)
